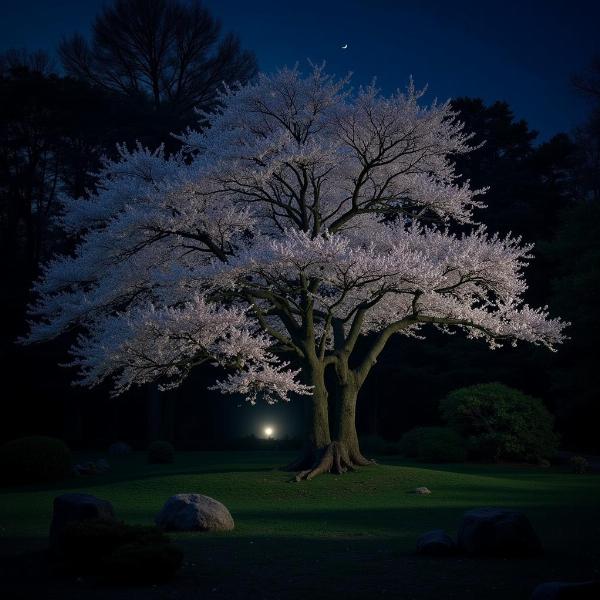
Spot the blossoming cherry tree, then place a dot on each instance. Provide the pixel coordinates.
(301, 218)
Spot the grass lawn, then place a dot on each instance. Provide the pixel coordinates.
(353, 534)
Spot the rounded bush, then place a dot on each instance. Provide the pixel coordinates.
(501, 423)
(442, 444)
(141, 563)
(409, 442)
(34, 459)
(160, 452)
(433, 444)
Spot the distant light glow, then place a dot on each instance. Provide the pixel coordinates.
(269, 431)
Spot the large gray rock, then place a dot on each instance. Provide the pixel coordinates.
(560, 590)
(194, 512)
(436, 543)
(74, 508)
(497, 532)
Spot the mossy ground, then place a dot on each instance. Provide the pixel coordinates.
(353, 534)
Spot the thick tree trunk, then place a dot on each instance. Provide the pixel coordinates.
(342, 453)
(346, 423)
(317, 436)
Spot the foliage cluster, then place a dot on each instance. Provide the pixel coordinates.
(121, 552)
(433, 444)
(34, 459)
(501, 423)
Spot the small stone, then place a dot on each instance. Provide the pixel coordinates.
(194, 512)
(422, 491)
(436, 543)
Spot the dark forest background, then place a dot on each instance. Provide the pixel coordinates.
(58, 119)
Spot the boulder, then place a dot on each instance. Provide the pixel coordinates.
(436, 543)
(497, 532)
(70, 508)
(119, 449)
(194, 512)
(560, 590)
(422, 491)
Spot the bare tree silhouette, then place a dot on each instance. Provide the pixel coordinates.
(170, 52)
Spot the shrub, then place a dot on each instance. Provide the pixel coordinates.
(433, 444)
(441, 444)
(139, 563)
(86, 542)
(160, 452)
(132, 553)
(409, 442)
(34, 459)
(579, 464)
(501, 422)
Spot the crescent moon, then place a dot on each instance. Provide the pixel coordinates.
(344, 46)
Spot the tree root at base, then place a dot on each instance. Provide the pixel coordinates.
(335, 458)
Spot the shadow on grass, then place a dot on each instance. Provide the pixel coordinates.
(273, 567)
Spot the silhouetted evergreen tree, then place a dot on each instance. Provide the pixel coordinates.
(575, 254)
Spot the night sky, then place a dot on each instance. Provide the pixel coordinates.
(519, 51)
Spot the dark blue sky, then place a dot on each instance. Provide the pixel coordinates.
(519, 51)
